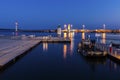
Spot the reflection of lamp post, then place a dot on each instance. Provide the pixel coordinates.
(89, 37)
(97, 35)
(104, 34)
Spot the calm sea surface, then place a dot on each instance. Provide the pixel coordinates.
(60, 61)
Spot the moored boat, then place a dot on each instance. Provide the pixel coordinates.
(87, 48)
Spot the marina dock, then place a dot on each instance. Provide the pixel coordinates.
(53, 39)
(13, 47)
(113, 53)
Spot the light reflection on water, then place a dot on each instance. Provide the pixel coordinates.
(64, 51)
(61, 61)
(45, 46)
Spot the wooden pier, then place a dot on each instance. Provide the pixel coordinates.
(13, 47)
(53, 39)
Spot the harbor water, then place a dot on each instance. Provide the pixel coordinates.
(60, 61)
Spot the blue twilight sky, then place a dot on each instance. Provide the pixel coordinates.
(43, 14)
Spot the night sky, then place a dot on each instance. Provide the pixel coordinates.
(43, 14)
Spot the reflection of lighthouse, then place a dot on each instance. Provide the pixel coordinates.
(16, 28)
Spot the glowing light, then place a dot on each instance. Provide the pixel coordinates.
(71, 35)
(65, 26)
(96, 30)
(69, 27)
(65, 35)
(83, 26)
(64, 51)
(45, 46)
(83, 35)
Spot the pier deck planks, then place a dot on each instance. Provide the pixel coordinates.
(11, 49)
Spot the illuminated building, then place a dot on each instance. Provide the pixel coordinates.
(69, 26)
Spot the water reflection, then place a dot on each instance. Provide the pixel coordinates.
(16, 33)
(94, 63)
(113, 66)
(69, 35)
(71, 46)
(103, 38)
(83, 35)
(64, 51)
(45, 46)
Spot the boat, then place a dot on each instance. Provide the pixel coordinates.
(87, 48)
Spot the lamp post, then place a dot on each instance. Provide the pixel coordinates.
(104, 26)
(16, 28)
(83, 26)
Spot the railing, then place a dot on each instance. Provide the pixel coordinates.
(112, 51)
